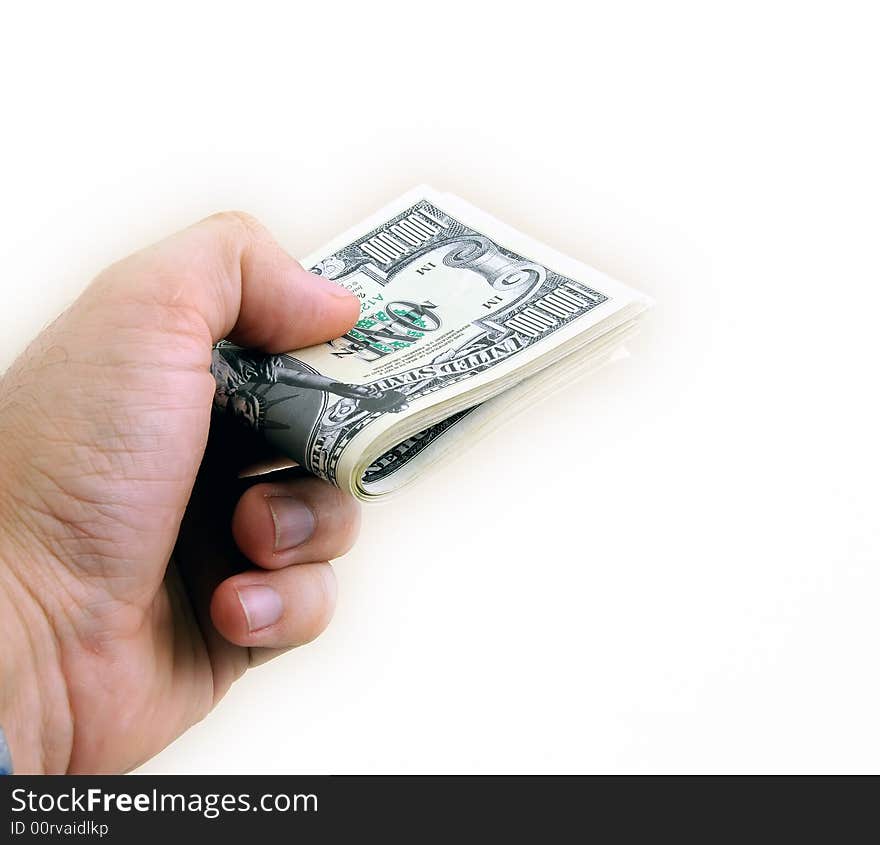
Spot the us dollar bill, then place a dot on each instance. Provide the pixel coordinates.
(463, 322)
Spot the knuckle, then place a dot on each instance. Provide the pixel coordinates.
(324, 585)
(237, 222)
(341, 517)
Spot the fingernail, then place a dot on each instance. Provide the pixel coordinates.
(262, 606)
(294, 522)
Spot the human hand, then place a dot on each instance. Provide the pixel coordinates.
(123, 621)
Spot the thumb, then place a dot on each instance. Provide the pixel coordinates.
(228, 277)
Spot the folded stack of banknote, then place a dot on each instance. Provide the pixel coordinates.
(463, 322)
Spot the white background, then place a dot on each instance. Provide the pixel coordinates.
(673, 567)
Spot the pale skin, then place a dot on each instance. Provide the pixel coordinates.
(126, 610)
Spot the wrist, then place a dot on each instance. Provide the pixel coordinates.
(34, 710)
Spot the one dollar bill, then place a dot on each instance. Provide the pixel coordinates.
(463, 321)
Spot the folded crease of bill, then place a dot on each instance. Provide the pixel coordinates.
(464, 322)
